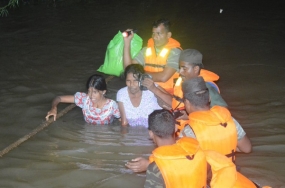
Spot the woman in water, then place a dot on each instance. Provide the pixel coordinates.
(96, 108)
(135, 104)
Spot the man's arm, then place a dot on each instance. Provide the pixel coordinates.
(153, 177)
(243, 144)
(162, 76)
(172, 66)
(158, 91)
(139, 164)
(127, 59)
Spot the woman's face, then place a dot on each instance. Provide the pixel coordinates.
(132, 83)
(95, 95)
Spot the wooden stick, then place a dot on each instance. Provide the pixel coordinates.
(41, 126)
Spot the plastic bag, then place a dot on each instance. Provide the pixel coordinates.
(113, 63)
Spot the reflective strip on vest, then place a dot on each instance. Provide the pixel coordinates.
(157, 63)
(163, 52)
(148, 52)
(178, 81)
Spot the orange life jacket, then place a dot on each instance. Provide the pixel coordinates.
(156, 63)
(224, 174)
(208, 76)
(182, 164)
(215, 130)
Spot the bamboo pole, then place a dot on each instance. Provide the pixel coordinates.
(41, 127)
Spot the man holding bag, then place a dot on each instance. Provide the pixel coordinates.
(161, 56)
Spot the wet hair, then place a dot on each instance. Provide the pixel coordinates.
(161, 123)
(136, 69)
(97, 81)
(196, 92)
(164, 22)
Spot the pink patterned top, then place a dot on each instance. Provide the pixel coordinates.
(95, 115)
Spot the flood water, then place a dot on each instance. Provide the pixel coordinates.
(47, 51)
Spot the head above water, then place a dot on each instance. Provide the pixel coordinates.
(136, 69)
(161, 32)
(132, 75)
(161, 123)
(195, 92)
(97, 81)
(165, 22)
(190, 63)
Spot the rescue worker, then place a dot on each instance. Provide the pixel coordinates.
(191, 65)
(161, 56)
(183, 163)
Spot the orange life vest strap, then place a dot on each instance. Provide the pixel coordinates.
(232, 155)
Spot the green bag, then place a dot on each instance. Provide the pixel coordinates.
(113, 63)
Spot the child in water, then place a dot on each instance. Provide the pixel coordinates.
(96, 108)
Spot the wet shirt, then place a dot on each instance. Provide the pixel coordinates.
(96, 115)
(138, 115)
(216, 98)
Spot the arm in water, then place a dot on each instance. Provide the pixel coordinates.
(139, 164)
(56, 101)
(124, 120)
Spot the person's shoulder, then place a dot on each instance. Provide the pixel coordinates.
(141, 52)
(220, 108)
(122, 93)
(176, 50)
(216, 98)
(174, 53)
(143, 49)
(124, 89)
(80, 95)
(112, 102)
(211, 88)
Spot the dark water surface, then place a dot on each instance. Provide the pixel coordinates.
(47, 51)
